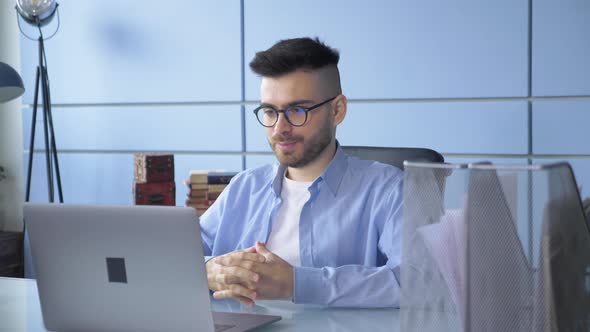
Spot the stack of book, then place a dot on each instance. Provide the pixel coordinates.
(153, 182)
(205, 187)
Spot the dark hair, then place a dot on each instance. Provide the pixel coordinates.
(289, 55)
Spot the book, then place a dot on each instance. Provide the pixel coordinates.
(204, 187)
(212, 195)
(216, 188)
(220, 177)
(199, 186)
(201, 202)
(201, 206)
(198, 176)
(197, 193)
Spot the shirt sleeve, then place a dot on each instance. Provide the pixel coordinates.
(358, 285)
(211, 220)
(347, 286)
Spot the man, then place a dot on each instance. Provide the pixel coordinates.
(319, 227)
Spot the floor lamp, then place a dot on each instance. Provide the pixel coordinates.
(11, 84)
(11, 261)
(11, 87)
(38, 13)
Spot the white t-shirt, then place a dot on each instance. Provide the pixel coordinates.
(284, 236)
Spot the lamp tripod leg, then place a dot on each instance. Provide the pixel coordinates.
(48, 161)
(32, 140)
(51, 158)
(53, 144)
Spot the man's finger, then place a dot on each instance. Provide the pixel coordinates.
(243, 273)
(250, 249)
(226, 279)
(245, 255)
(235, 291)
(251, 256)
(241, 299)
(261, 248)
(236, 261)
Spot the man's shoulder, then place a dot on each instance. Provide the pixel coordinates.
(256, 175)
(373, 169)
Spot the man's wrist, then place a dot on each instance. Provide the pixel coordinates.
(208, 258)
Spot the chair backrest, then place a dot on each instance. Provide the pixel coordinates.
(394, 156)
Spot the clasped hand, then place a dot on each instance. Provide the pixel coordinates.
(251, 274)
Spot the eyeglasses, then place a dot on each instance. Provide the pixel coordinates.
(295, 115)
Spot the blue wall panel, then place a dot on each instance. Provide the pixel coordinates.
(125, 51)
(184, 50)
(108, 178)
(474, 127)
(404, 49)
(561, 127)
(561, 47)
(209, 128)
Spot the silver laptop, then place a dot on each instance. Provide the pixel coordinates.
(124, 268)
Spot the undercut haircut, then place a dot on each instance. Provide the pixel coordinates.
(289, 55)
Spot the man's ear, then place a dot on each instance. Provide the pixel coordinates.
(339, 106)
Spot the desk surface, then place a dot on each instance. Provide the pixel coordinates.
(20, 311)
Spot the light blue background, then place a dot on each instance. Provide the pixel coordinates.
(457, 76)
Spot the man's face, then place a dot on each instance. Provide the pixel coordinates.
(298, 146)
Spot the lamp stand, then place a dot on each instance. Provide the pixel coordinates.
(51, 159)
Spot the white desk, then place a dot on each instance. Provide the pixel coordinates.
(20, 311)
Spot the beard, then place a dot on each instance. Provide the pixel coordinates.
(312, 147)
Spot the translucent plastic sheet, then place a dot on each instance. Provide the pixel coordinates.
(494, 248)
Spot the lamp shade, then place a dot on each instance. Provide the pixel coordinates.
(11, 85)
(36, 11)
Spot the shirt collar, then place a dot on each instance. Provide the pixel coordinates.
(277, 183)
(332, 175)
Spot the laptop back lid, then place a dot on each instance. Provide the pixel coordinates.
(119, 267)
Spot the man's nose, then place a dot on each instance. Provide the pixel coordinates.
(282, 124)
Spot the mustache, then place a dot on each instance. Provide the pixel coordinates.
(284, 139)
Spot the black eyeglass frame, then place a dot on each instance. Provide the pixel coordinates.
(305, 109)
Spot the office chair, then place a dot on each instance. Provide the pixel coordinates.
(394, 156)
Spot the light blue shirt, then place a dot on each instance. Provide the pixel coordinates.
(349, 229)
